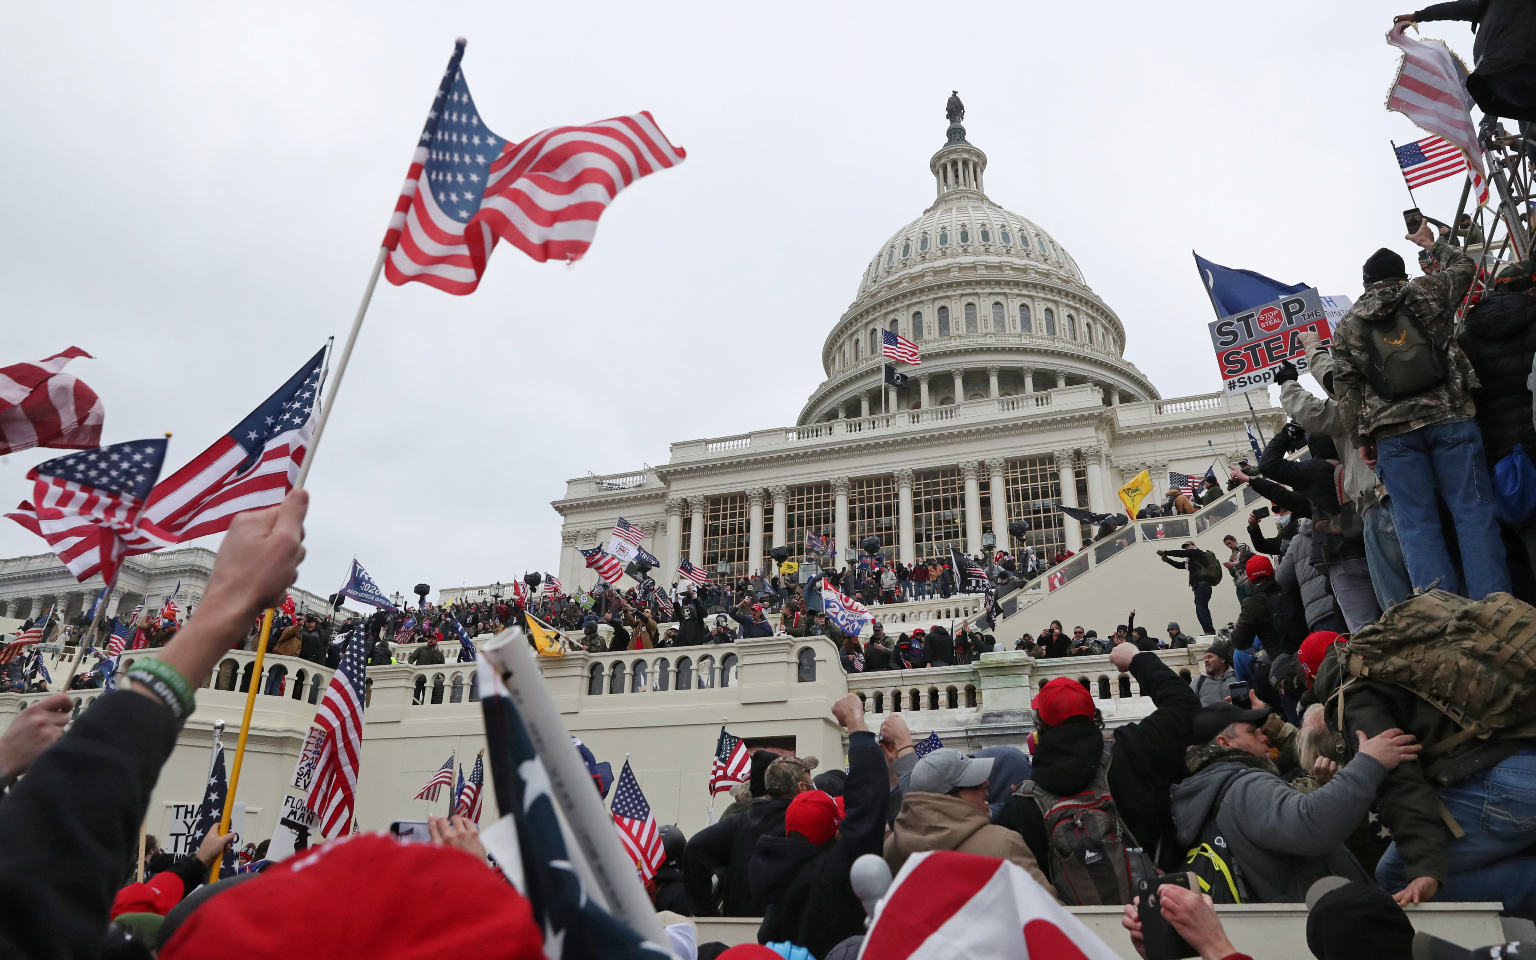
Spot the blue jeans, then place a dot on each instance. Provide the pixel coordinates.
(1495, 860)
(1203, 607)
(1389, 569)
(1448, 458)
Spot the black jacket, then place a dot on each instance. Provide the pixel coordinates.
(1506, 31)
(727, 846)
(670, 893)
(938, 646)
(876, 657)
(73, 821)
(691, 630)
(1320, 482)
(811, 901)
(1271, 615)
(1147, 759)
(1500, 340)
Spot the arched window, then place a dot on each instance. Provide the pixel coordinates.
(842, 357)
(226, 674)
(943, 321)
(922, 245)
(879, 702)
(944, 238)
(805, 671)
(1125, 687)
(1088, 330)
(456, 690)
(970, 318)
(891, 257)
(986, 236)
(952, 698)
(706, 673)
(874, 343)
(75, 713)
(438, 682)
(1071, 327)
(906, 249)
(298, 684)
(616, 677)
(917, 325)
(419, 691)
(970, 696)
(915, 700)
(684, 673)
(277, 676)
(1104, 688)
(1050, 322)
(474, 687)
(933, 698)
(367, 693)
(729, 670)
(637, 677)
(999, 318)
(1041, 244)
(965, 235)
(245, 675)
(855, 350)
(1006, 238)
(317, 685)
(1024, 324)
(662, 668)
(595, 680)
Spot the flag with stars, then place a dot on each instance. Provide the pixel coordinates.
(470, 792)
(442, 778)
(211, 810)
(605, 563)
(468, 188)
(333, 796)
(636, 824)
(928, 744)
(361, 587)
(466, 645)
(251, 467)
(91, 506)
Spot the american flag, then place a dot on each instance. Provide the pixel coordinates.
(928, 744)
(211, 811)
(732, 764)
(636, 824)
(1431, 90)
(644, 556)
(969, 576)
(91, 506)
(42, 406)
(15, 647)
(1425, 161)
(606, 565)
(687, 569)
(471, 793)
(520, 592)
(552, 588)
(119, 639)
(250, 467)
(896, 347)
(467, 188)
(466, 645)
(628, 532)
(332, 797)
(168, 608)
(442, 778)
(404, 632)
(1185, 483)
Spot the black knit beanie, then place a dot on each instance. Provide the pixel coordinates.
(1383, 265)
(1357, 920)
(760, 761)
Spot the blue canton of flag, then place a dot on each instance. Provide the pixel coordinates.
(285, 410)
(928, 744)
(361, 587)
(460, 153)
(1232, 290)
(211, 811)
(466, 646)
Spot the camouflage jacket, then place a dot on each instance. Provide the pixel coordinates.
(1433, 300)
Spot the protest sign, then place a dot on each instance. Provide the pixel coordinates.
(181, 824)
(1252, 344)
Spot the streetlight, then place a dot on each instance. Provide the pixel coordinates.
(496, 591)
(397, 597)
(988, 541)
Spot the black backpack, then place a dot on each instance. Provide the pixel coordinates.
(1404, 360)
(1211, 859)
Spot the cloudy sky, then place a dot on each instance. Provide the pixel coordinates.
(198, 192)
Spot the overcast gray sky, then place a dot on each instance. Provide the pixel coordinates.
(198, 192)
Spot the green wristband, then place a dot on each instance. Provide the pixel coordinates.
(167, 683)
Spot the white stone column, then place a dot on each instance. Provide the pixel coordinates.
(996, 468)
(1061, 379)
(904, 524)
(1159, 478)
(922, 390)
(1114, 396)
(755, 530)
(1029, 379)
(971, 476)
(698, 505)
(1068, 478)
(570, 567)
(669, 560)
(1097, 501)
(780, 514)
(959, 376)
(992, 390)
(895, 403)
(863, 404)
(840, 519)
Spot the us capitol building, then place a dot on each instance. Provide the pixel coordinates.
(1023, 400)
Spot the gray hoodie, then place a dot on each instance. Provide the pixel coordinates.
(1282, 840)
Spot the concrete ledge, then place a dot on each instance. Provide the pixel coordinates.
(1264, 931)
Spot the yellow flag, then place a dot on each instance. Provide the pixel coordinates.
(1134, 492)
(546, 642)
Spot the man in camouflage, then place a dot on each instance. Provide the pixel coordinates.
(1425, 443)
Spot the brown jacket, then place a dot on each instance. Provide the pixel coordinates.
(289, 644)
(937, 821)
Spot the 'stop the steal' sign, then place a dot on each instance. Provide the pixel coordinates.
(1250, 345)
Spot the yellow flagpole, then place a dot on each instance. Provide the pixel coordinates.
(245, 731)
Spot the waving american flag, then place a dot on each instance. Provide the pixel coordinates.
(636, 824)
(442, 778)
(334, 794)
(467, 188)
(732, 764)
(471, 793)
(605, 563)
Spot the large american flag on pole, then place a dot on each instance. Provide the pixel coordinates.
(467, 188)
(898, 348)
(605, 563)
(636, 824)
(686, 568)
(732, 764)
(1425, 161)
(90, 506)
(552, 588)
(250, 467)
(1185, 483)
(333, 796)
(442, 778)
(42, 406)
(469, 800)
(1431, 90)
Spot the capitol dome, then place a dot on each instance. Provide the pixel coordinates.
(995, 305)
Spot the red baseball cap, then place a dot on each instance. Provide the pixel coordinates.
(1315, 648)
(1060, 699)
(1259, 566)
(814, 815)
(403, 900)
(157, 895)
(751, 951)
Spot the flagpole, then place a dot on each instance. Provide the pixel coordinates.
(245, 731)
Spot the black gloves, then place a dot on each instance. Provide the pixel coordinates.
(1295, 434)
(1287, 373)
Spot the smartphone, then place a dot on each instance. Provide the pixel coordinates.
(1413, 219)
(1261, 513)
(411, 831)
(1159, 940)
(1239, 694)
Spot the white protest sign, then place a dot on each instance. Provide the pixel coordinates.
(295, 822)
(1252, 344)
(180, 826)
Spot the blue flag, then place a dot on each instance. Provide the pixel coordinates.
(1253, 441)
(360, 587)
(211, 810)
(466, 646)
(928, 744)
(1233, 291)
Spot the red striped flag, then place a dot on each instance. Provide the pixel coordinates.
(468, 805)
(468, 188)
(1425, 161)
(333, 796)
(605, 563)
(42, 406)
(896, 347)
(552, 588)
(732, 764)
(686, 568)
(1431, 90)
(442, 778)
(636, 824)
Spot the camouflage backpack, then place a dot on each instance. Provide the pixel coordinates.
(1473, 660)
